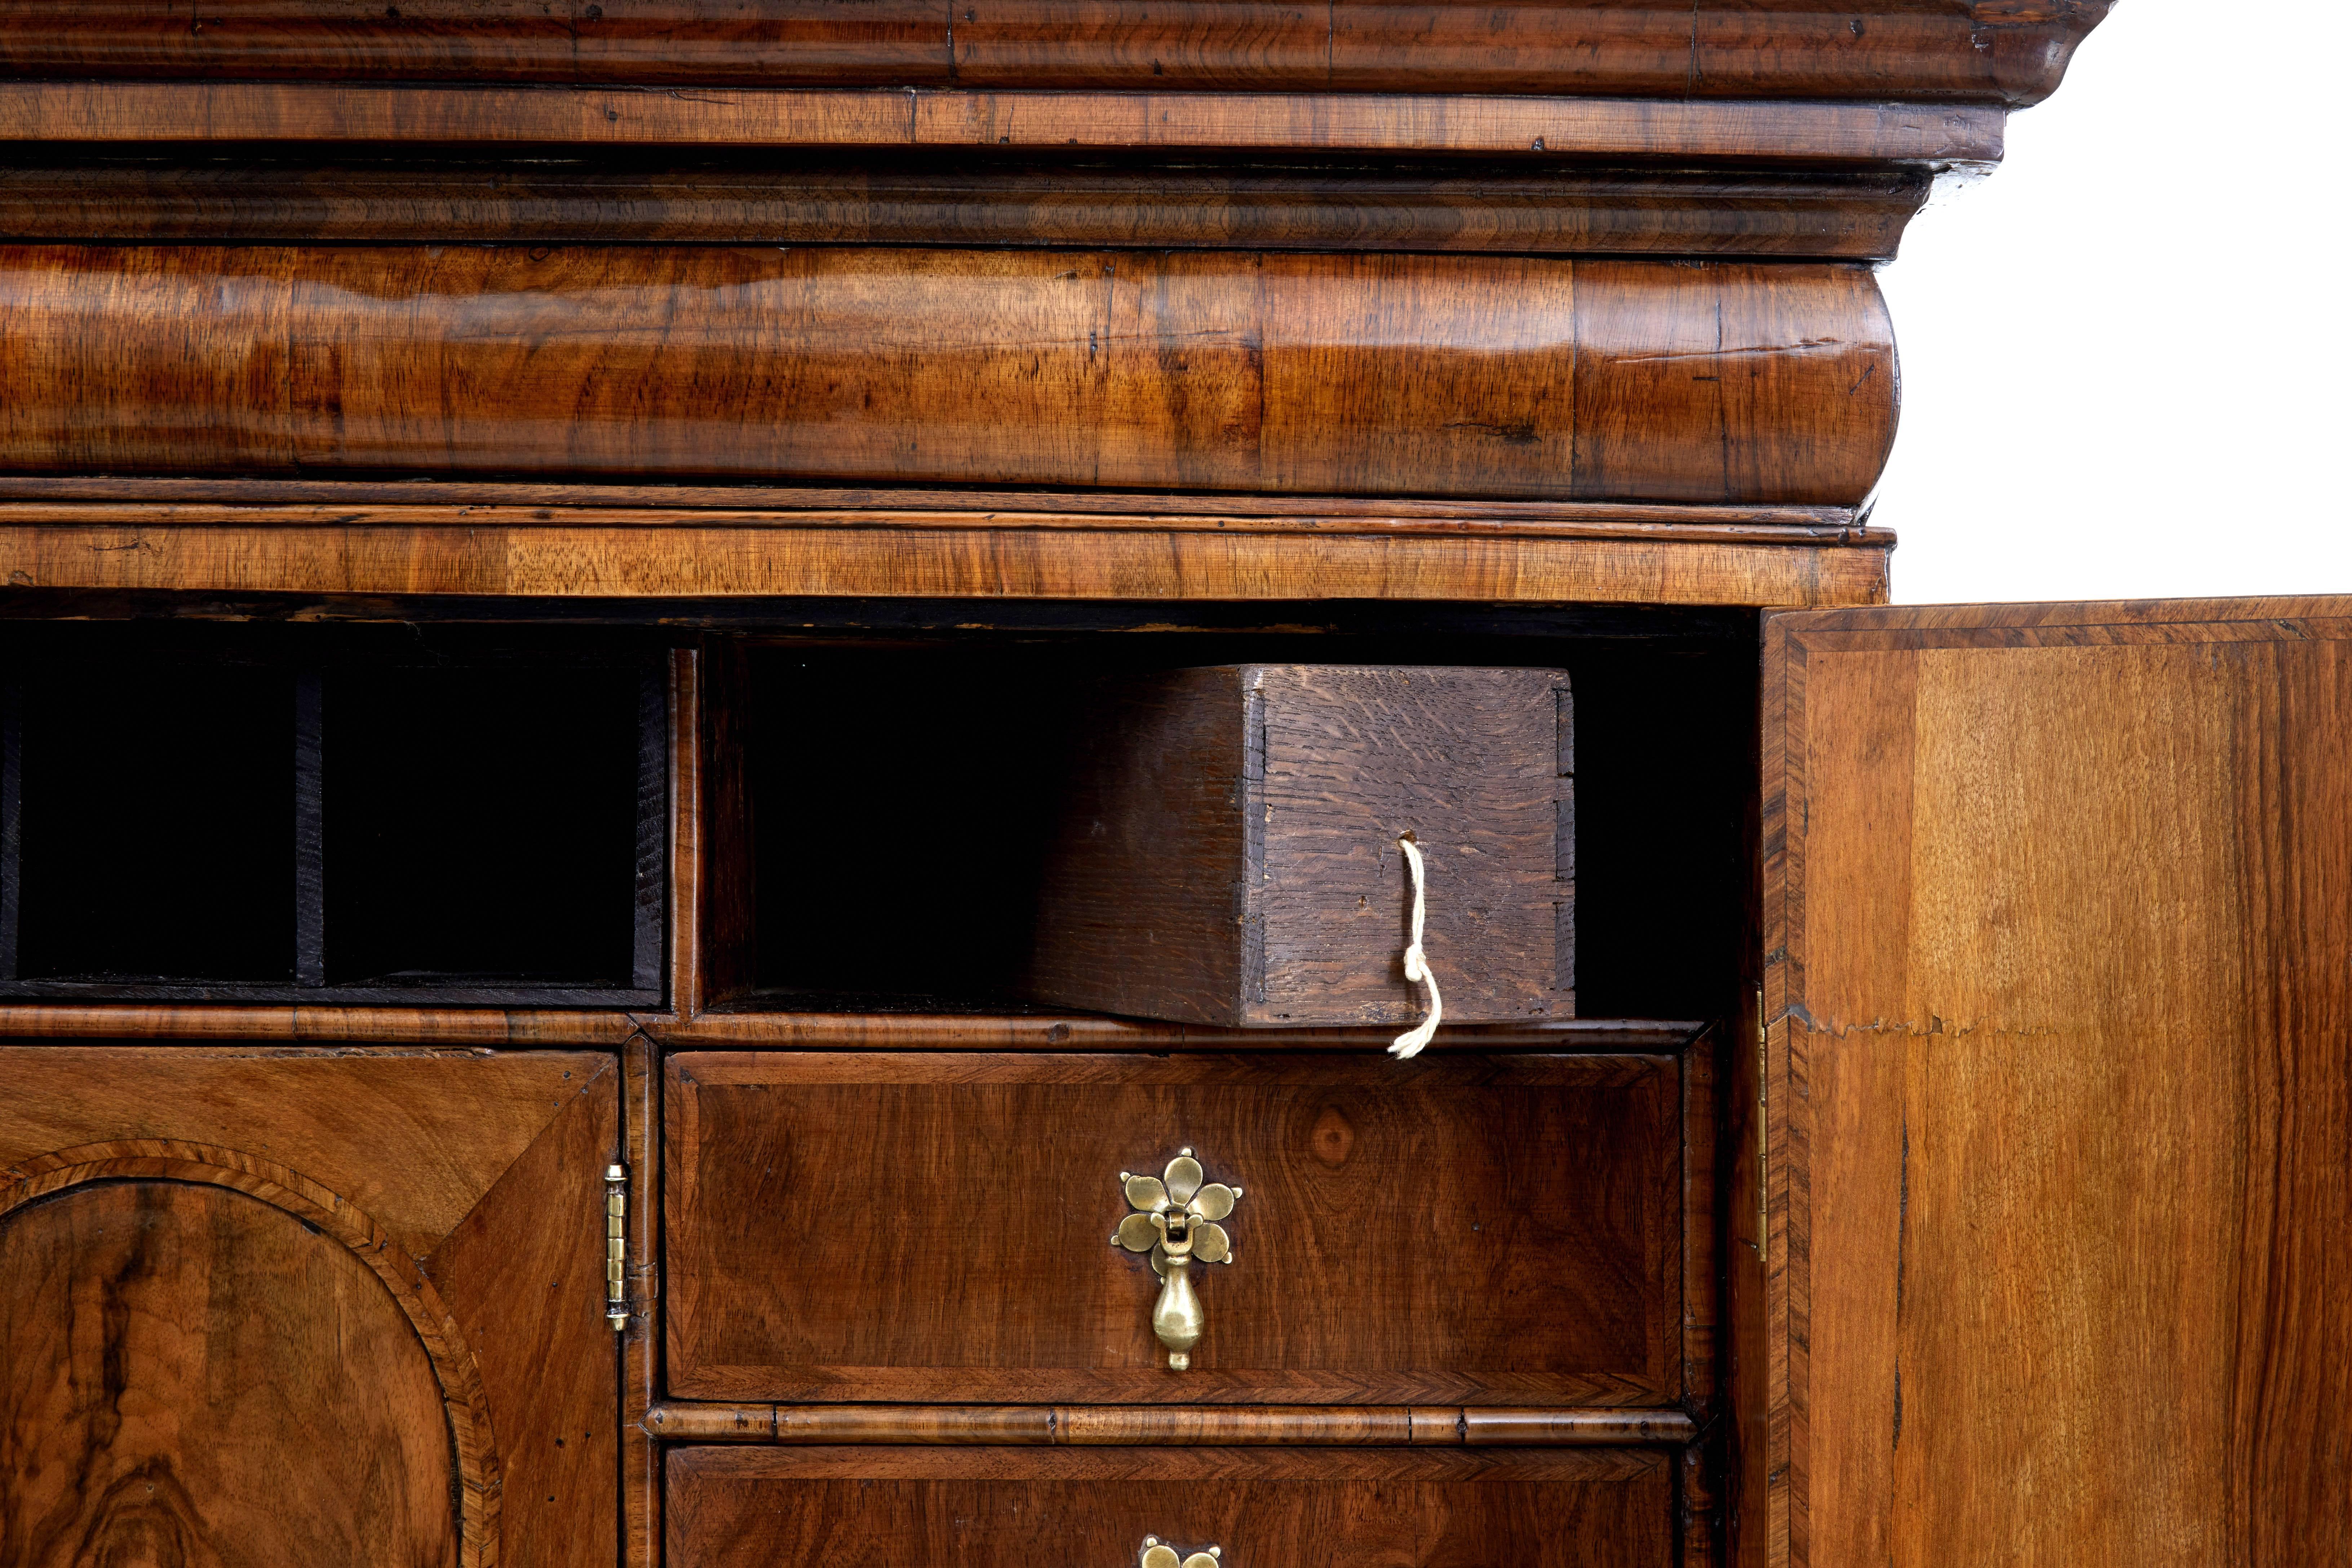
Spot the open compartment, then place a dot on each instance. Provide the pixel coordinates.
(331, 815)
(145, 812)
(481, 825)
(883, 802)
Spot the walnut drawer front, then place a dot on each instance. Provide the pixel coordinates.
(1398, 1507)
(1492, 1227)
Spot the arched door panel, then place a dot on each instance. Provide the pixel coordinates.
(269, 1305)
(196, 1376)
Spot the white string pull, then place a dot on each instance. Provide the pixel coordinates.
(1416, 963)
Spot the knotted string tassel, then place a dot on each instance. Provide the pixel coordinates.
(1416, 963)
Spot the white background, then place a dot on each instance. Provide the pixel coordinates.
(2125, 355)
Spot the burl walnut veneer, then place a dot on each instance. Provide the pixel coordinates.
(282, 1305)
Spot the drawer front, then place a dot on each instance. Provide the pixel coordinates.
(1399, 1507)
(1495, 1228)
(1229, 848)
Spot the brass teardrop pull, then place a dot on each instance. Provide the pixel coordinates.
(1158, 1553)
(1175, 1220)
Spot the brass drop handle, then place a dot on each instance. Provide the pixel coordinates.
(1175, 1220)
(1158, 1553)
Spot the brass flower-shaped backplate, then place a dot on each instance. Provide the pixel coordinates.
(1178, 1188)
(1158, 1553)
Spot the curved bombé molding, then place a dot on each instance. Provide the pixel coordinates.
(1498, 378)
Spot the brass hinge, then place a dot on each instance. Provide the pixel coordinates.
(1763, 1135)
(616, 1247)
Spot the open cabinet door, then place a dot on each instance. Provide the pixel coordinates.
(2057, 907)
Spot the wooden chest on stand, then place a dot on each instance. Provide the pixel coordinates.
(741, 753)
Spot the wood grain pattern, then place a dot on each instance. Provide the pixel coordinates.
(452, 1180)
(1995, 52)
(114, 1353)
(1671, 353)
(1704, 1248)
(472, 1478)
(415, 1139)
(781, 1028)
(1227, 846)
(641, 1482)
(1431, 376)
(1533, 1428)
(143, 499)
(1990, 50)
(1699, 1510)
(2062, 891)
(930, 561)
(1760, 1349)
(1857, 215)
(450, 1029)
(652, 507)
(443, 1027)
(168, 114)
(811, 1254)
(1098, 1425)
(1592, 1507)
(1209, 1425)
(524, 1272)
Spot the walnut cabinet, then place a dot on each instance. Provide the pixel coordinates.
(723, 741)
(2033, 1127)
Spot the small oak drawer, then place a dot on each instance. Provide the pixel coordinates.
(1233, 847)
(949, 1228)
(984, 1507)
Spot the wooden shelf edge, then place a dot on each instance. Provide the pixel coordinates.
(952, 558)
(1095, 1032)
(208, 1023)
(1107, 1425)
(387, 998)
(175, 504)
(341, 112)
(950, 502)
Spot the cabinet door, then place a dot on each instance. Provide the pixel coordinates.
(2058, 1098)
(274, 1306)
